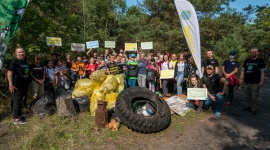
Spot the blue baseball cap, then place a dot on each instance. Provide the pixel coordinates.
(132, 55)
(232, 52)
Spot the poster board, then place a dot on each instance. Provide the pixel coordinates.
(53, 41)
(77, 47)
(92, 44)
(147, 45)
(130, 46)
(109, 44)
(167, 74)
(197, 94)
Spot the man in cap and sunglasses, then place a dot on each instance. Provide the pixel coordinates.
(229, 70)
(211, 81)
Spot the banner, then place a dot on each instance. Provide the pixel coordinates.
(167, 74)
(196, 93)
(147, 45)
(130, 46)
(92, 44)
(11, 13)
(77, 47)
(53, 41)
(190, 26)
(109, 44)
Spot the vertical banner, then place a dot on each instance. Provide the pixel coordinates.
(190, 26)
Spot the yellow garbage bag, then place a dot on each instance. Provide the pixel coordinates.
(121, 84)
(98, 76)
(110, 84)
(78, 92)
(98, 94)
(85, 83)
(111, 99)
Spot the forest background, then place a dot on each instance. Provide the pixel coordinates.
(76, 21)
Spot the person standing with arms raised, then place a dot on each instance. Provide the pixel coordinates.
(210, 61)
(253, 75)
(18, 72)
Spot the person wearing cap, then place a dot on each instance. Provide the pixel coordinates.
(37, 74)
(210, 61)
(253, 75)
(211, 81)
(229, 70)
(132, 63)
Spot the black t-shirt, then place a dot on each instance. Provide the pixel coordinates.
(212, 83)
(229, 66)
(113, 68)
(20, 72)
(121, 67)
(38, 71)
(253, 69)
(212, 62)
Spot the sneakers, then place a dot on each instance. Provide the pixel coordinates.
(21, 120)
(217, 114)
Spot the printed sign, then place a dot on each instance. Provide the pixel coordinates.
(53, 41)
(109, 44)
(92, 44)
(178, 105)
(167, 74)
(77, 47)
(147, 45)
(197, 94)
(130, 46)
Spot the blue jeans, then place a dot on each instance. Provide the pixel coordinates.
(132, 82)
(219, 101)
(180, 77)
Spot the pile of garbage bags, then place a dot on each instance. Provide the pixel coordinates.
(99, 87)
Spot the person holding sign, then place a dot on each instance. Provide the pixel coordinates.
(132, 72)
(180, 69)
(112, 67)
(196, 84)
(151, 74)
(211, 81)
(166, 65)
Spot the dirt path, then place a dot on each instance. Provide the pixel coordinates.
(234, 130)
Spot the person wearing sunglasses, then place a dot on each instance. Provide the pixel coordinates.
(132, 73)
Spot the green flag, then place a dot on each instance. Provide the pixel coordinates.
(11, 12)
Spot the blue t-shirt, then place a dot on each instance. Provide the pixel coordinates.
(142, 66)
(229, 66)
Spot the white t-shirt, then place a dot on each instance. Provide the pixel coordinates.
(165, 65)
(181, 66)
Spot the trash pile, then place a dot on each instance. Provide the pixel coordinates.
(99, 87)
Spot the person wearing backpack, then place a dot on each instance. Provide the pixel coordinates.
(151, 74)
(166, 65)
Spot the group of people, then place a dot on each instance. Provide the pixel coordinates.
(138, 69)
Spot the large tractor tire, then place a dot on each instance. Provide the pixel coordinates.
(156, 122)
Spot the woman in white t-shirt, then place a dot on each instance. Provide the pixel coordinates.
(165, 65)
(180, 68)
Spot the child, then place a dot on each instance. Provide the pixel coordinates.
(122, 69)
(151, 74)
(60, 74)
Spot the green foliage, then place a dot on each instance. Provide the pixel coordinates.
(78, 21)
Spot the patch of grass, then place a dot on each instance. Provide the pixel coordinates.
(79, 132)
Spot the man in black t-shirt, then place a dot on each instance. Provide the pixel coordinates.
(112, 67)
(253, 70)
(215, 94)
(210, 61)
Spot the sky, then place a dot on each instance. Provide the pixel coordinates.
(238, 4)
